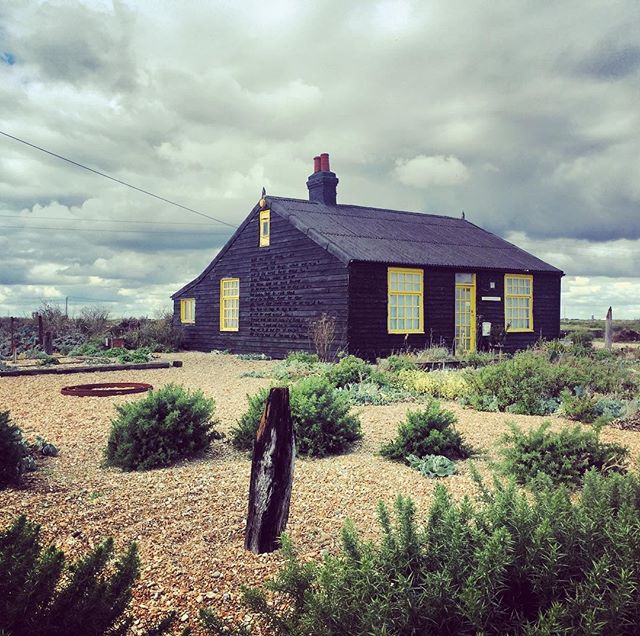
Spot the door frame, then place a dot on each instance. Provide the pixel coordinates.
(472, 298)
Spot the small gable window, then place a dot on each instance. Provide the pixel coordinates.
(405, 300)
(188, 310)
(518, 302)
(265, 227)
(229, 304)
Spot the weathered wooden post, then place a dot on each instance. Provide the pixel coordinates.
(40, 331)
(12, 321)
(48, 344)
(608, 330)
(274, 454)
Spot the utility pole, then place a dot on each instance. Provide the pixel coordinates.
(66, 306)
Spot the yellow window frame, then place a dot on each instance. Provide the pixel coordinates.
(184, 313)
(226, 305)
(404, 294)
(265, 228)
(509, 296)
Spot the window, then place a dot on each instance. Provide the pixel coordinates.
(518, 302)
(405, 301)
(229, 304)
(265, 227)
(188, 310)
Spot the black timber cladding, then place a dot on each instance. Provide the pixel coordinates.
(283, 287)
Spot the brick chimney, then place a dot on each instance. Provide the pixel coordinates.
(322, 183)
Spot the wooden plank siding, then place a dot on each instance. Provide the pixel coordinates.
(283, 287)
(367, 329)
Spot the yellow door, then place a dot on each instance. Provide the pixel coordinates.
(465, 318)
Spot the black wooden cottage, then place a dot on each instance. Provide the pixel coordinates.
(389, 279)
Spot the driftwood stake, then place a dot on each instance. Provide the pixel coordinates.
(274, 454)
(13, 338)
(608, 331)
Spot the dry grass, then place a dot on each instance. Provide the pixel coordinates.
(189, 519)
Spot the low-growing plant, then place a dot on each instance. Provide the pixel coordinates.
(14, 452)
(564, 456)
(40, 595)
(320, 414)
(303, 356)
(578, 405)
(372, 393)
(611, 409)
(581, 338)
(432, 465)
(433, 354)
(349, 370)
(506, 563)
(397, 363)
(169, 424)
(253, 356)
(477, 359)
(449, 385)
(44, 448)
(430, 431)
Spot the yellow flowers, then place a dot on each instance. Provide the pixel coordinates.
(448, 385)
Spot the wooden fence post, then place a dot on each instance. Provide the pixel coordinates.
(608, 331)
(40, 331)
(12, 322)
(48, 345)
(274, 454)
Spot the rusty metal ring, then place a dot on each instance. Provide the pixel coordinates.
(106, 389)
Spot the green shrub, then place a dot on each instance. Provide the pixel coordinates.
(432, 465)
(427, 432)
(349, 370)
(320, 414)
(579, 405)
(14, 452)
(581, 338)
(42, 596)
(507, 564)
(477, 359)
(372, 393)
(433, 354)
(397, 363)
(303, 356)
(168, 425)
(564, 456)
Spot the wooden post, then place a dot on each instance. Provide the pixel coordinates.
(48, 345)
(608, 331)
(40, 331)
(13, 338)
(274, 453)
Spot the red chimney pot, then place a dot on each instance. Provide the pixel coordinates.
(324, 162)
(316, 164)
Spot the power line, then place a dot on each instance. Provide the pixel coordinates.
(65, 218)
(107, 176)
(94, 230)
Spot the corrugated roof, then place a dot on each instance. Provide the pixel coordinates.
(356, 233)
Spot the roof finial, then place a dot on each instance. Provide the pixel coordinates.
(263, 202)
(463, 216)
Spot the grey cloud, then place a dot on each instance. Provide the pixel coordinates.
(205, 103)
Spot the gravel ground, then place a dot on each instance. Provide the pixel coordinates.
(189, 519)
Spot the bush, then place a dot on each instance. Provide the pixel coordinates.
(581, 338)
(432, 465)
(477, 359)
(369, 392)
(449, 385)
(39, 596)
(397, 363)
(508, 564)
(350, 370)
(320, 414)
(302, 356)
(564, 457)
(14, 452)
(427, 432)
(168, 425)
(579, 406)
(93, 321)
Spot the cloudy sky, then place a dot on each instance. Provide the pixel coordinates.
(524, 114)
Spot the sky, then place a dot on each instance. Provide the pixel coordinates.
(523, 114)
